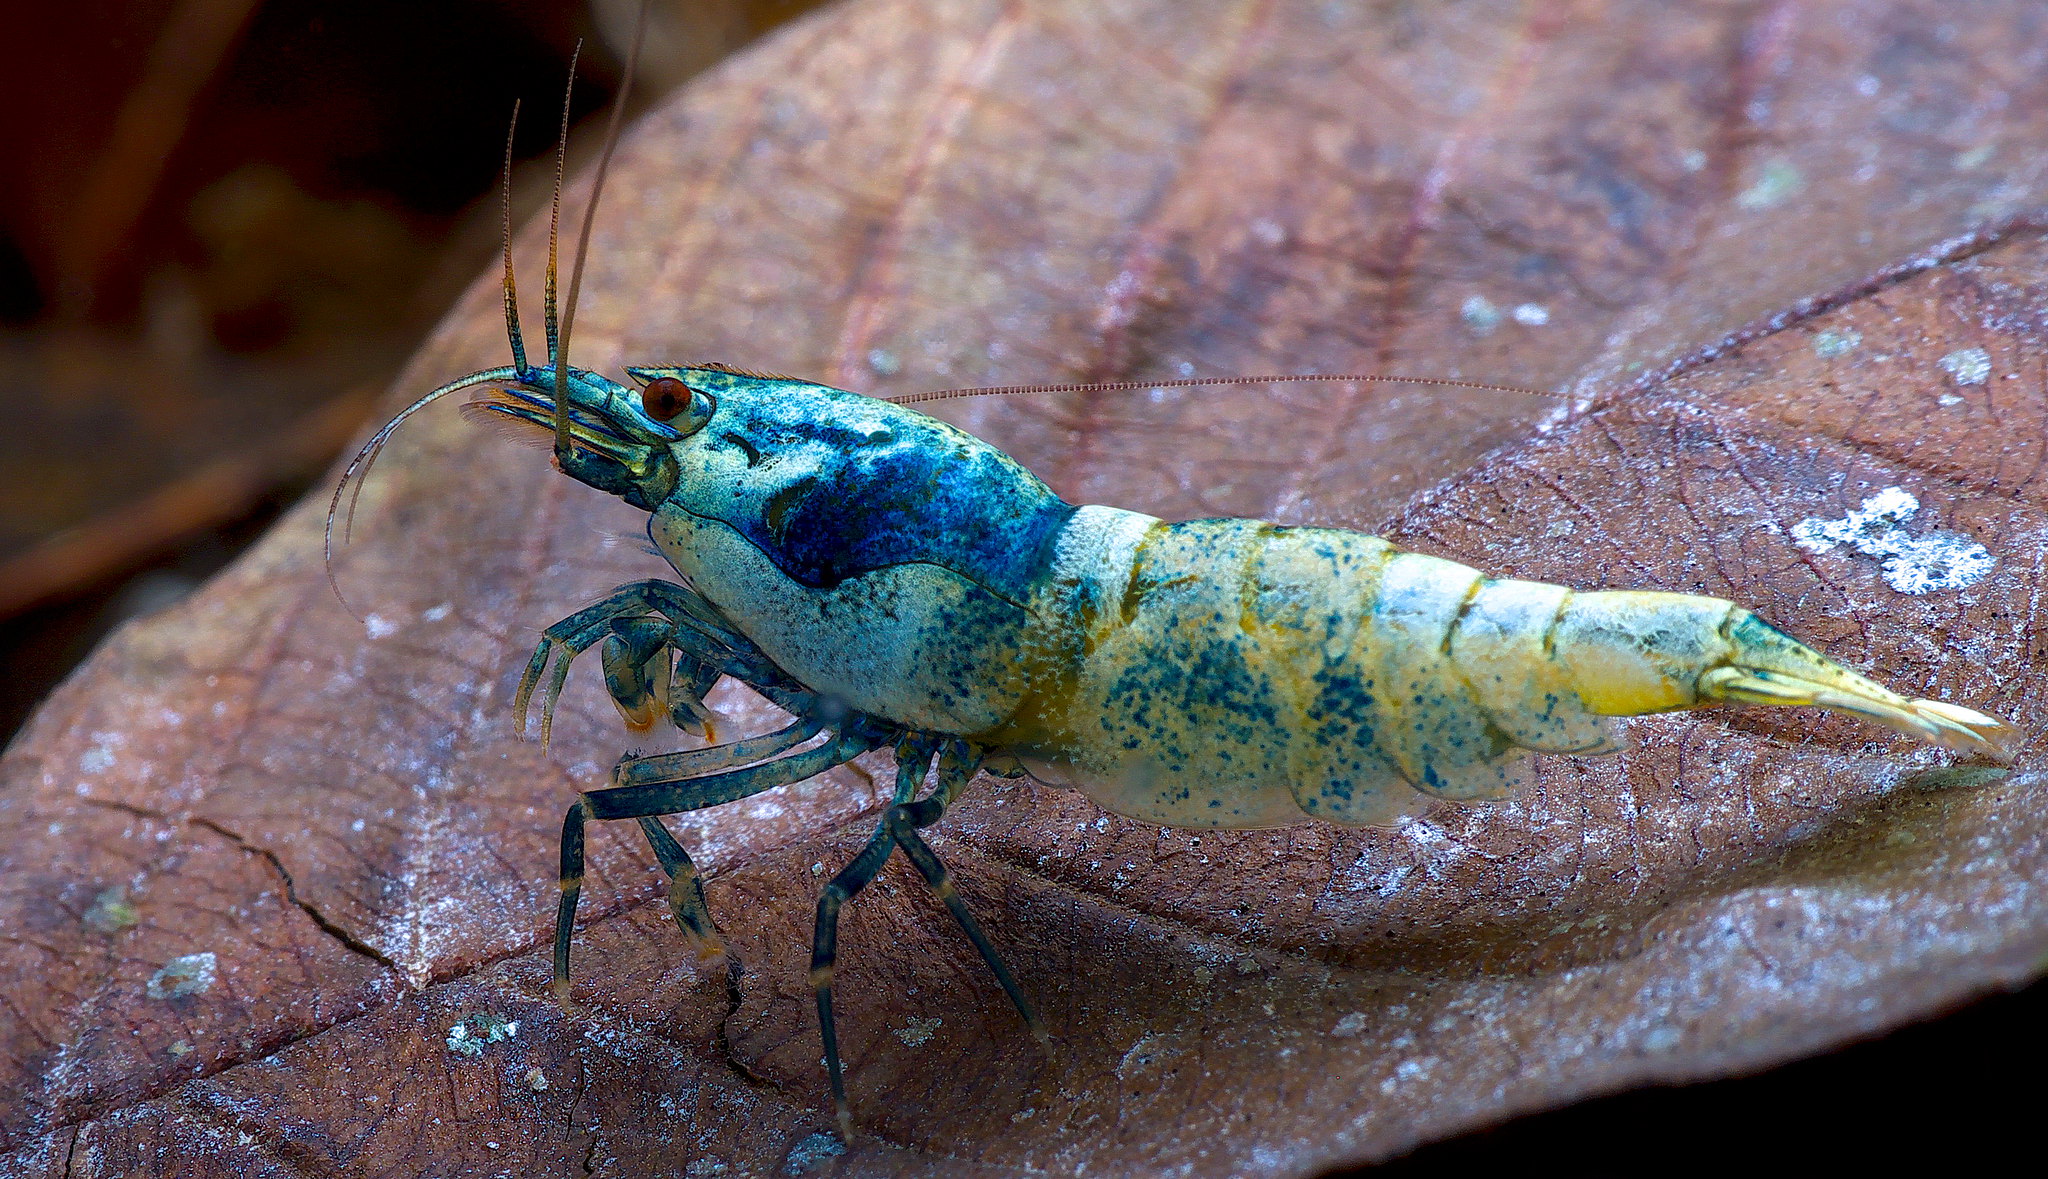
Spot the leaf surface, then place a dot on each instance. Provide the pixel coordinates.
(267, 857)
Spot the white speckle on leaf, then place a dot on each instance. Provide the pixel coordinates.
(1140, 1055)
(1351, 1024)
(490, 1028)
(917, 1031)
(437, 613)
(884, 363)
(810, 1152)
(380, 627)
(1662, 1038)
(1532, 314)
(1832, 342)
(187, 974)
(1910, 564)
(1968, 366)
(1974, 157)
(1693, 160)
(111, 912)
(1479, 315)
(1777, 180)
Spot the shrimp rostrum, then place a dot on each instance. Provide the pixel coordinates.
(894, 582)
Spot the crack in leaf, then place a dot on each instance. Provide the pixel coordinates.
(327, 925)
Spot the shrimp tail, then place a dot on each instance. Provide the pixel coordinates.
(1630, 652)
(1770, 667)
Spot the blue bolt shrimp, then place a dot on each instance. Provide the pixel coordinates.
(893, 582)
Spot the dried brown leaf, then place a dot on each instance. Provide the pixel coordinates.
(265, 856)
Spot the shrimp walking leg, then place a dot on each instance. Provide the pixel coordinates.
(898, 828)
(676, 783)
(902, 822)
(685, 891)
(843, 887)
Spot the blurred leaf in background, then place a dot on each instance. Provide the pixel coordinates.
(229, 222)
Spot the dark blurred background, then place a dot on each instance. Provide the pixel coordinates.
(228, 222)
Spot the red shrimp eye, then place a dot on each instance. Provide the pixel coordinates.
(665, 397)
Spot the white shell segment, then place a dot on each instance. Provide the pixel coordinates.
(1500, 649)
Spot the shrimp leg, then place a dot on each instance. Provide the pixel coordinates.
(675, 783)
(898, 828)
(643, 617)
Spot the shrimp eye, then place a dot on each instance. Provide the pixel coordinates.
(665, 397)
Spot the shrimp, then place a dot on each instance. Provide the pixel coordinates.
(893, 582)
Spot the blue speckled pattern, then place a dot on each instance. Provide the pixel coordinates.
(838, 484)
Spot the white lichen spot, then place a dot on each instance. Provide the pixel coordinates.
(1693, 160)
(1948, 399)
(1351, 1025)
(1829, 343)
(1775, 181)
(1662, 1038)
(469, 1037)
(437, 613)
(188, 974)
(1968, 366)
(884, 363)
(1531, 314)
(918, 1031)
(535, 1079)
(1910, 564)
(110, 911)
(810, 1152)
(1269, 232)
(1480, 316)
(380, 627)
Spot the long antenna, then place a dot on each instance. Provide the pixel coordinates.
(1201, 382)
(511, 288)
(604, 163)
(555, 361)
